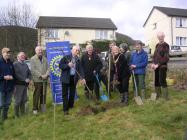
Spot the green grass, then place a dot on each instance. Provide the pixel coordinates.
(158, 120)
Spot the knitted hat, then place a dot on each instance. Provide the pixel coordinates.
(124, 46)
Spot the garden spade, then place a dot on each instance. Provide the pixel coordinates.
(43, 105)
(103, 96)
(89, 91)
(153, 94)
(109, 69)
(137, 98)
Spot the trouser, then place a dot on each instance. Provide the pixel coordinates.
(124, 85)
(140, 82)
(5, 101)
(160, 81)
(160, 77)
(123, 88)
(68, 94)
(21, 98)
(39, 96)
(93, 85)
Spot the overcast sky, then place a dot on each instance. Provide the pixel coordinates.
(128, 15)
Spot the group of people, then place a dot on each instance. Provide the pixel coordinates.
(89, 68)
(15, 78)
(115, 70)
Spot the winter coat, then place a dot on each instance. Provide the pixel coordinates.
(120, 67)
(161, 54)
(140, 60)
(6, 68)
(39, 68)
(22, 72)
(65, 69)
(90, 64)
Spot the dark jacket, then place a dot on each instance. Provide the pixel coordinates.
(65, 69)
(22, 72)
(140, 60)
(127, 55)
(6, 68)
(120, 67)
(161, 54)
(94, 64)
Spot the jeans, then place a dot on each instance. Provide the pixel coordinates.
(68, 89)
(160, 77)
(39, 96)
(5, 101)
(20, 97)
(140, 82)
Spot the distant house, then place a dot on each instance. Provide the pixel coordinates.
(77, 30)
(172, 21)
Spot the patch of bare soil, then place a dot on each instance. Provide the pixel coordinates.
(95, 109)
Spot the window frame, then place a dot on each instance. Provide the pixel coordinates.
(181, 22)
(52, 33)
(101, 34)
(181, 41)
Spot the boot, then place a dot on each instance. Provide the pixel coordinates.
(22, 109)
(121, 97)
(16, 111)
(158, 91)
(165, 93)
(87, 95)
(125, 97)
(5, 113)
(143, 94)
(97, 96)
(1, 120)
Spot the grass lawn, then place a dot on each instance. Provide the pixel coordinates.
(157, 120)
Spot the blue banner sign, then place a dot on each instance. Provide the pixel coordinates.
(55, 52)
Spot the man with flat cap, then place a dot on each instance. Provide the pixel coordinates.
(7, 75)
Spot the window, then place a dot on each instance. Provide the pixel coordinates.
(101, 34)
(181, 22)
(154, 26)
(51, 33)
(181, 41)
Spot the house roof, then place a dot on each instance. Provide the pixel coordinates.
(75, 22)
(169, 12)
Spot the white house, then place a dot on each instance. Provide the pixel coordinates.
(172, 21)
(77, 30)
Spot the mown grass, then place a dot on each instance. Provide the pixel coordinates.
(158, 120)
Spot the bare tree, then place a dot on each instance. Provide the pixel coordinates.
(18, 15)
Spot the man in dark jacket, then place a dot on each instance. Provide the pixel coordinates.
(6, 83)
(138, 64)
(23, 77)
(160, 60)
(92, 65)
(71, 73)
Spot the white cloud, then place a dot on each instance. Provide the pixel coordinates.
(128, 15)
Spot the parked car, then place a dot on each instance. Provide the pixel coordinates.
(103, 55)
(176, 51)
(28, 63)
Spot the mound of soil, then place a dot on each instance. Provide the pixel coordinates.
(95, 109)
